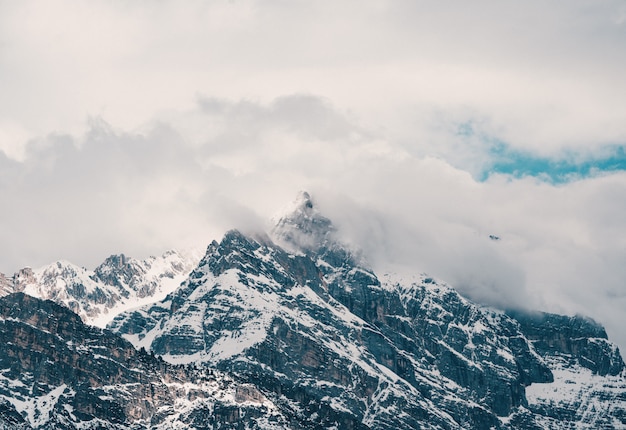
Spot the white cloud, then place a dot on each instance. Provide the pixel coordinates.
(545, 76)
(211, 115)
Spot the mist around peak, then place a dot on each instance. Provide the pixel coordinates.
(302, 227)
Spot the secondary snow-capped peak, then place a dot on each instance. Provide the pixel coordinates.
(302, 227)
(119, 283)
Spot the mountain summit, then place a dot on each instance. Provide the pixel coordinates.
(302, 227)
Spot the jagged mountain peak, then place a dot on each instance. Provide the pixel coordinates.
(303, 200)
(119, 283)
(301, 226)
(115, 260)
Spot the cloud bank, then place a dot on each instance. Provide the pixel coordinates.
(420, 130)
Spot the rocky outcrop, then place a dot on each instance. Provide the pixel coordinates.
(143, 278)
(6, 285)
(53, 348)
(588, 389)
(10, 419)
(58, 373)
(583, 341)
(23, 278)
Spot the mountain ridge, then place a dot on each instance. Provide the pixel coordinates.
(118, 283)
(310, 337)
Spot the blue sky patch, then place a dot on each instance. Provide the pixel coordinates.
(568, 166)
(563, 169)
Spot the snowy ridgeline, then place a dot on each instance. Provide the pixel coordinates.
(118, 284)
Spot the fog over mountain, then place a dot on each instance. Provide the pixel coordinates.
(481, 143)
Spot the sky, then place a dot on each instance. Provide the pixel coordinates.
(420, 128)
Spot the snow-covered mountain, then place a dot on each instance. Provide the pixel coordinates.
(292, 330)
(306, 323)
(119, 283)
(56, 373)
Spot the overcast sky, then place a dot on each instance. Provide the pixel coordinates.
(420, 128)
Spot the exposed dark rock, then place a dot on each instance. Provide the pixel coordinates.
(76, 376)
(580, 338)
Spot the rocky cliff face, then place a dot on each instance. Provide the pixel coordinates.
(58, 373)
(97, 296)
(6, 285)
(589, 386)
(580, 339)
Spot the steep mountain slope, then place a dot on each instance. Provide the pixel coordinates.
(589, 386)
(58, 373)
(311, 327)
(117, 284)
